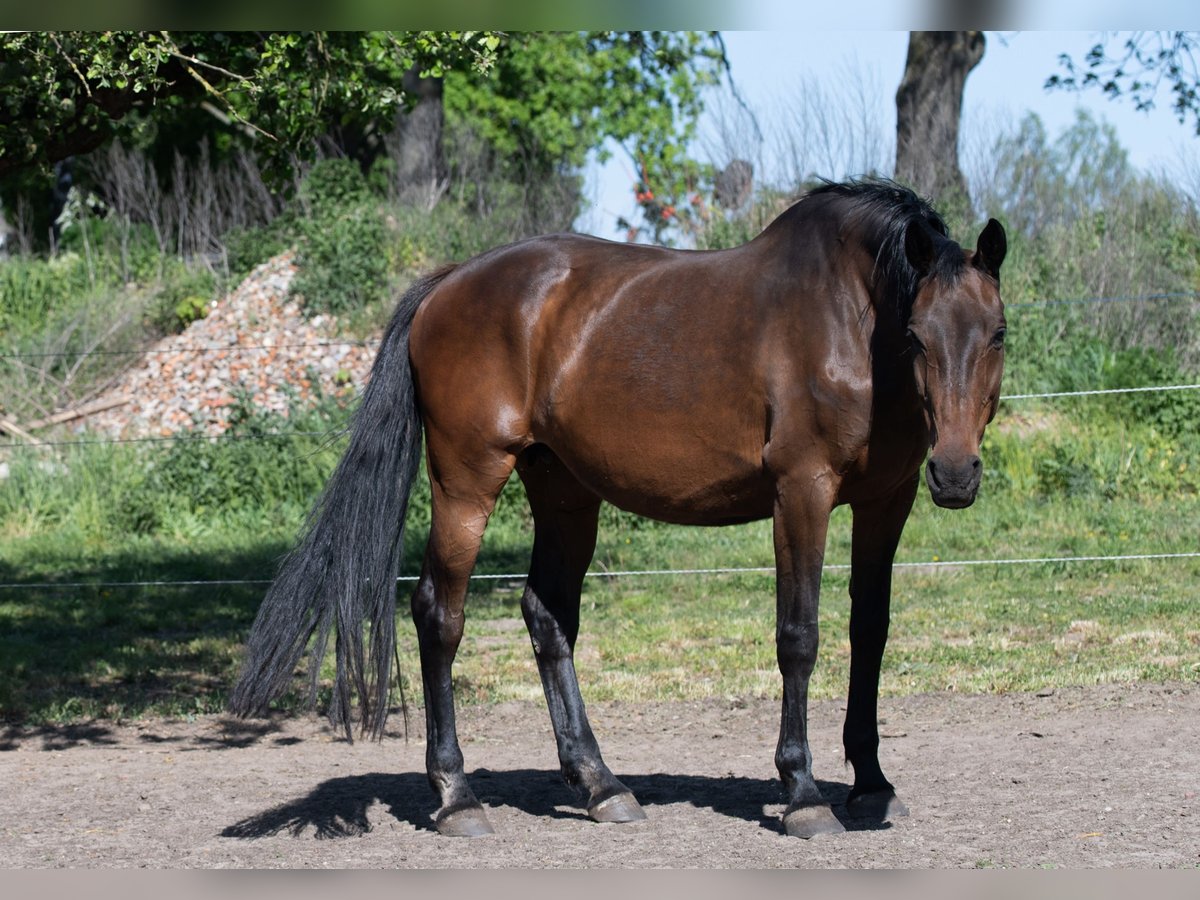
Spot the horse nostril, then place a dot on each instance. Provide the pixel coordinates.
(976, 464)
(932, 468)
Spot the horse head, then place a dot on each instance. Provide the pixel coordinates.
(956, 337)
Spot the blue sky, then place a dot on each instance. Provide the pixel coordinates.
(768, 67)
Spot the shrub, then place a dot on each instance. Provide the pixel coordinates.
(265, 466)
(343, 243)
(246, 248)
(182, 296)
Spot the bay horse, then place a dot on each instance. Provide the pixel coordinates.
(814, 366)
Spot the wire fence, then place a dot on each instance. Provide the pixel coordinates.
(933, 565)
(1175, 296)
(1127, 298)
(192, 348)
(272, 435)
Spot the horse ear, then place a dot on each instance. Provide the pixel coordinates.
(991, 248)
(918, 246)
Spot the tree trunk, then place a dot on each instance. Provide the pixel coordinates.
(929, 107)
(416, 145)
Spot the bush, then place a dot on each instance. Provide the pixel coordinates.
(261, 468)
(183, 296)
(246, 248)
(450, 232)
(1097, 458)
(343, 243)
(1174, 414)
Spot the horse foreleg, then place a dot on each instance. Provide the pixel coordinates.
(462, 503)
(801, 521)
(565, 520)
(877, 528)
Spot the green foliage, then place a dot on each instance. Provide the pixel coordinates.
(1175, 415)
(185, 295)
(1083, 224)
(1065, 458)
(66, 93)
(251, 474)
(1036, 183)
(110, 288)
(333, 183)
(554, 97)
(452, 232)
(1146, 61)
(344, 245)
(31, 289)
(246, 248)
(116, 251)
(717, 229)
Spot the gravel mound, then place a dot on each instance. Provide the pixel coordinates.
(255, 342)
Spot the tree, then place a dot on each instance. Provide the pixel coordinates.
(555, 97)
(929, 109)
(66, 93)
(1147, 60)
(549, 99)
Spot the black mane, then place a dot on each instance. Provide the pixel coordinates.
(884, 210)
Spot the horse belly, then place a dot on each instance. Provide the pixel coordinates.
(684, 471)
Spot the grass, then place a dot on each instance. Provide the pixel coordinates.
(969, 629)
(68, 654)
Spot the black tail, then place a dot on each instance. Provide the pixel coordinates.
(343, 572)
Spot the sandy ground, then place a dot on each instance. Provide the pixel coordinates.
(1092, 777)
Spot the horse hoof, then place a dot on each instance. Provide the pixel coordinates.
(809, 821)
(618, 808)
(469, 821)
(878, 805)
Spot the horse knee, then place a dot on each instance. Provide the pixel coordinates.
(796, 646)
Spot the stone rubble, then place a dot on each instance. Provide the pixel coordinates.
(255, 341)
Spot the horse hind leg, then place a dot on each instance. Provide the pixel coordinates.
(565, 520)
(462, 498)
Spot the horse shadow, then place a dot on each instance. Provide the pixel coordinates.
(338, 807)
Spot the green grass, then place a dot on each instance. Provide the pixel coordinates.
(970, 629)
(68, 654)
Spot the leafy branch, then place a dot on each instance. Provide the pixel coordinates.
(66, 93)
(1146, 60)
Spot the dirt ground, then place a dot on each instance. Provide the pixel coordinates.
(1087, 777)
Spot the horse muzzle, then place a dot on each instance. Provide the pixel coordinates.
(953, 484)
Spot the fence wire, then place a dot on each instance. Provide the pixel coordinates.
(214, 348)
(1131, 298)
(939, 564)
(333, 434)
(238, 348)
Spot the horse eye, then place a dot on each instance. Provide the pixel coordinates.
(998, 340)
(915, 341)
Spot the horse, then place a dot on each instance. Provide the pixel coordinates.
(816, 365)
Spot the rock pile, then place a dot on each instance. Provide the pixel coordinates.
(254, 341)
